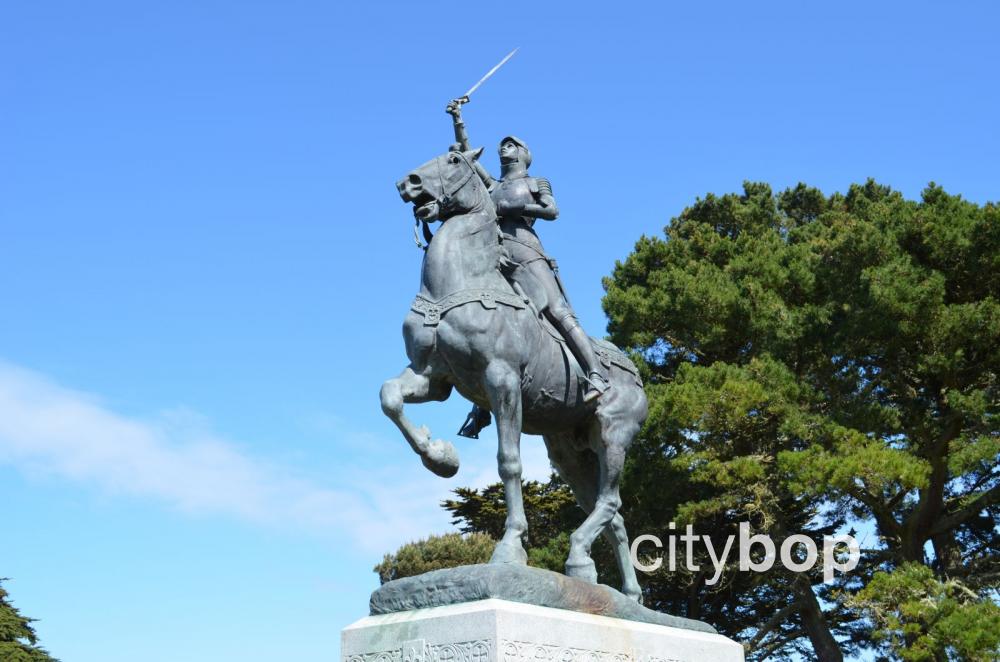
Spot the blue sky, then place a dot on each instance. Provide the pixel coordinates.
(205, 264)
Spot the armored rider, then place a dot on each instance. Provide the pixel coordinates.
(520, 200)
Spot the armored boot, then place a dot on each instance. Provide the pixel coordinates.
(579, 344)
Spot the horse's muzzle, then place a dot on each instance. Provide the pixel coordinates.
(410, 187)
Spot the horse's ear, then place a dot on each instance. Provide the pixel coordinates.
(474, 154)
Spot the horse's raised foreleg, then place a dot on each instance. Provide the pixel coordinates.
(412, 387)
(503, 386)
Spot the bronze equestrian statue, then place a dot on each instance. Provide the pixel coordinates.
(499, 343)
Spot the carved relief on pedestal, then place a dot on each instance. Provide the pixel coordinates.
(523, 651)
(480, 650)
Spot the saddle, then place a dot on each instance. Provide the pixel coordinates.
(607, 353)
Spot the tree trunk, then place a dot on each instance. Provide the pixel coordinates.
(694, 596)
(947, 555)
(823, 642)
(813, 620)
(930, 504)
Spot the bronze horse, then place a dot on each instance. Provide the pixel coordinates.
(470, 330)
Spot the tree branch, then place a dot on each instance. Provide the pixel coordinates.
(983, 500)
(894, 501)
(883, 516)
(772, 623)
(778, 643)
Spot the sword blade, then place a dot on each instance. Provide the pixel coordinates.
(490, 73)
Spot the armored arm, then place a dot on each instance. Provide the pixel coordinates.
(454, 109)
(544, 206)
(485, 176)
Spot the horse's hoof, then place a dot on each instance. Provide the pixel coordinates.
(632, 594)
(585, 570)
(508, 553)
(441, 458)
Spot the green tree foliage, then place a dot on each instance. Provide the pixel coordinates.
(923, 619)
(480, 515)
(18, 642)
(434, 553)
(550, 508)
(812, 361)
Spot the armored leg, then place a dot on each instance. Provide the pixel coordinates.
(583, 351)
(562, 317)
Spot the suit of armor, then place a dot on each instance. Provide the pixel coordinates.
(520, 200)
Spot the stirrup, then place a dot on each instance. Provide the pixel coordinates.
(477, 419)
(598, 386)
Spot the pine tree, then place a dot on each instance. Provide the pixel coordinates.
(813, 361)
(18, 642)
(435, 553)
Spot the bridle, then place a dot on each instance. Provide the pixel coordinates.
(446, 199)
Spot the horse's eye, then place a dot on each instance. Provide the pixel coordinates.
(453, 159)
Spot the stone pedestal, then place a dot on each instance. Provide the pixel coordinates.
(495, 630)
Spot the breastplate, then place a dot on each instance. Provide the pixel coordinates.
(514, 191)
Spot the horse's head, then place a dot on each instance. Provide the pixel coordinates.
(444, 186)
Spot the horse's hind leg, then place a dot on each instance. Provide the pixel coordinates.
(412, 387)
(618, 538)
(610, 437)
(579, 468)
(503, 385)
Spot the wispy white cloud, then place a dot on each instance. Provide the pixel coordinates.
(48, 429)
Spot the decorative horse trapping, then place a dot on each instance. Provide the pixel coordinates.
(434, 310)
